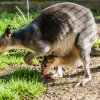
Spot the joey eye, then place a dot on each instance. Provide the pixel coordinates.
(49, 59)
(44, 65)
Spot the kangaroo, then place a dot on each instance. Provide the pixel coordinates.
(70, 61)
(54, 32)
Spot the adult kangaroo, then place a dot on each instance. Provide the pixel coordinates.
(54, 32)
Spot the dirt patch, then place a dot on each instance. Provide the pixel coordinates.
(62, 88)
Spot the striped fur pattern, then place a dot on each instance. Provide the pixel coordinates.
(65, 18)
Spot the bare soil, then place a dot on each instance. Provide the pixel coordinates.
(63, 88)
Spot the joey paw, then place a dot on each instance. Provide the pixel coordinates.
(57, 76)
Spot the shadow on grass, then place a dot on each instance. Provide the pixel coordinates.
(23, 73)
(26, 74)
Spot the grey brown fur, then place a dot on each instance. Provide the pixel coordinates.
(55, 31)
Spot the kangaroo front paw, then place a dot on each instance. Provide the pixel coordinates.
(28, 58)
(82, 82)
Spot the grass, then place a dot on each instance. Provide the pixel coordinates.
(9, 58)
(23, 84)
(15, 20)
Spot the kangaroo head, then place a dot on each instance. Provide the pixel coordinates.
(5, 39)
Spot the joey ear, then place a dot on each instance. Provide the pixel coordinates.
(8, 32)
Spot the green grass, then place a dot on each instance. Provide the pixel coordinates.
(16, 20)
(9, 58)
(15, 58)
(23, 84)
(97, 43)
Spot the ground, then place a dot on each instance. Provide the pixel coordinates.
(62, 88)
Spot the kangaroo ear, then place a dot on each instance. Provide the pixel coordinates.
(8, 32)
